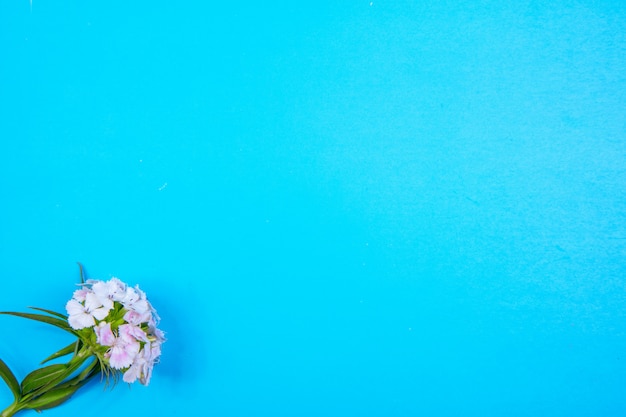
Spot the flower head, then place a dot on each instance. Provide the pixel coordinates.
(117, 336)
(120, 325)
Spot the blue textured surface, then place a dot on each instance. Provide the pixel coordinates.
(382, 208)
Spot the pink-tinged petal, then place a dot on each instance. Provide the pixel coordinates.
(132, 374)
(133, 348)
(141, 367)
(80, 321)
(130, 333)
(119, 357)
(104, 334)
(121, 354)
(132, 317)
(79, 295)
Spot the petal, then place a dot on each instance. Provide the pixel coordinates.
(159, 334)
(130, 297)
(80, 321)
(104, 334)
(92, 302)
(132, 317)
(155, 352)
(132, 348)
(100, 289)
(120, 358)
(74, 307)
(147, 373)
(132, 374)
(79, 295)
(142, 295)
(130, 333)
(100, 313)
(117, 289)
(141, 306)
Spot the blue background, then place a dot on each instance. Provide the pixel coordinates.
(387, 208)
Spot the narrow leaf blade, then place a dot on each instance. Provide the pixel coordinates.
(52, 398)
(10, 379)
(82, 272)
(62, 324)
(62, 392)
(71, 348)
(84, 376)
(53, 313)
(44, 376)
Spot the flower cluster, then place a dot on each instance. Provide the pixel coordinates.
(119, 324)
(115, 330)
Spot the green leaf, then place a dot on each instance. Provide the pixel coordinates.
(62, 324)
(53, 313)
(71, 348)
(41, 377)
(47, 377)
(84, 376)
(10, 379)
(52, 398)
(63, 391)
(82, 272)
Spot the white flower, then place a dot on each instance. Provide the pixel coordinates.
(113, 289)
(84, 313)
(135, 299)
(145, 360)
(141, 367)
(79, 317)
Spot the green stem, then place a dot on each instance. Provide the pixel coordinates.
(12, 409)
(34, 399)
